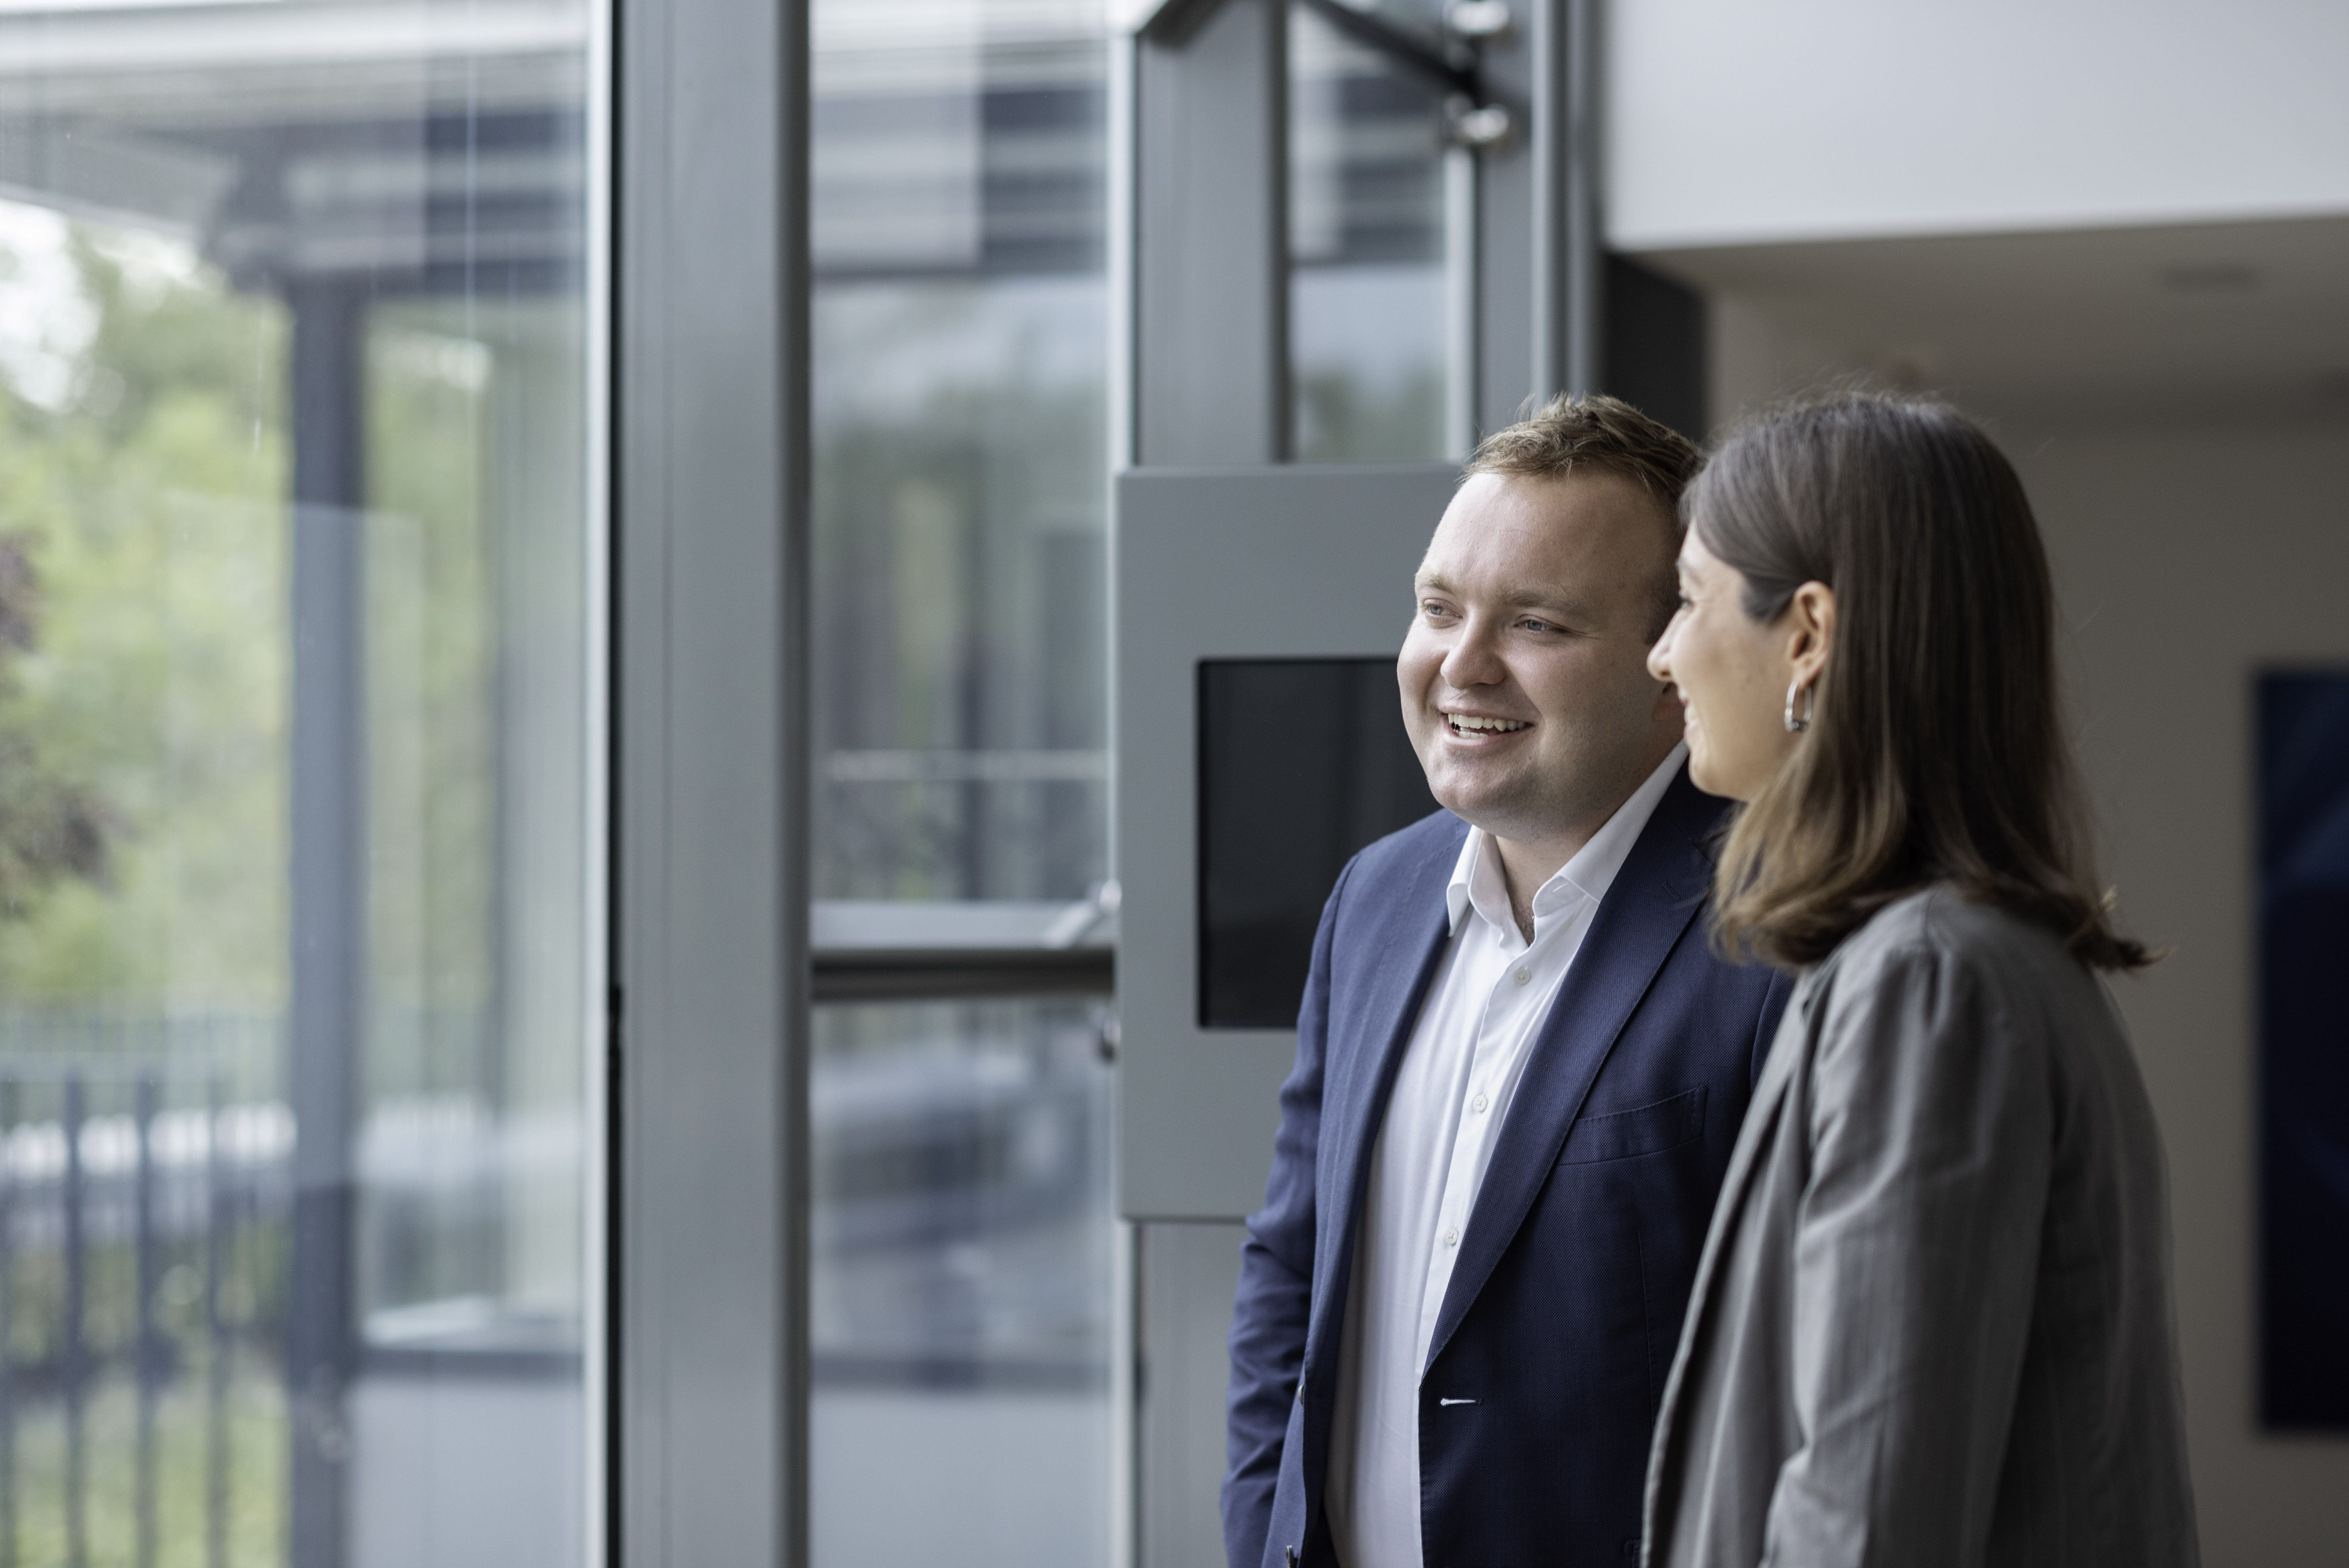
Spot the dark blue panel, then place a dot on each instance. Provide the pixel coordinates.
(2303, 756)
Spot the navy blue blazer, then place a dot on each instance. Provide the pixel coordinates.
(1566, 1301)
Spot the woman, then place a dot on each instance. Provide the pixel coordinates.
(1932, 1321)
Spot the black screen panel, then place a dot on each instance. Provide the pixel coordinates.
(2304, 797)
(1302, 762)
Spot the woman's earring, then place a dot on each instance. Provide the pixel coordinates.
(1810, 702)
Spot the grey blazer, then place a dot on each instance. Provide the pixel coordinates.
(1932, 1322)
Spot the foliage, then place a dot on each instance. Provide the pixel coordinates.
(52, 826)
(148, 504)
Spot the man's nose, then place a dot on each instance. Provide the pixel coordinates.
(1475, 659)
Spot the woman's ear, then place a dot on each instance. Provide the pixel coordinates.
(1813, 612)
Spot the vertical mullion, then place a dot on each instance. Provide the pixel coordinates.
(1566, 207)
(1462, 369)
(709, 913)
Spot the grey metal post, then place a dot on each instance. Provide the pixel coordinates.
(1210, 207)
(73, 1352)
(1567, 257)
(329, 892)
(1463, 380)
(711, 959)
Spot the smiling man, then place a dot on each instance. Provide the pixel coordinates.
(1519, 1065)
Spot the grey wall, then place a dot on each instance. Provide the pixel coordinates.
(2187, 556)
(2186, 559)
(1186, 1274)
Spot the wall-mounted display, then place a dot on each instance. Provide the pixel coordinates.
(1301, 763)
(2303, 802)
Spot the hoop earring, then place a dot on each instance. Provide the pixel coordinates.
(1810, 705)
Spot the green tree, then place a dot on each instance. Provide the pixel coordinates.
(148, 505)
(52, 826)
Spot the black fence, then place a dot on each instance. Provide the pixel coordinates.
(141, 1217)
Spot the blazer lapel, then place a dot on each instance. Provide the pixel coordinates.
(1366, 1044)
(1656, 894)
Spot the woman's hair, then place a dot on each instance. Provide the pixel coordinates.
(1936, 751)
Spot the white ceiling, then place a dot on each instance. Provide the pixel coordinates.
(2230, 321)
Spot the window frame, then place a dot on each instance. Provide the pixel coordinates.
(706, 1432)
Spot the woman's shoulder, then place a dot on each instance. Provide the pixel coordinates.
(1938, 929)
(1940, 919)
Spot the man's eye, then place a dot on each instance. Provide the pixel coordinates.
(1533, 626)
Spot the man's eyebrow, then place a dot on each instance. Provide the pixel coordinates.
(1517, 595)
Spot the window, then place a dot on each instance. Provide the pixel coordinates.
(960, 1231)
(960, 347)
(297, 900)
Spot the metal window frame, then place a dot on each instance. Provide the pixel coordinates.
(707, 1263)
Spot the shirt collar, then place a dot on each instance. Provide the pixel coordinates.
(1478, 882)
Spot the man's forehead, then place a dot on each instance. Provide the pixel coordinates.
(1483, 531)
(1584, 510)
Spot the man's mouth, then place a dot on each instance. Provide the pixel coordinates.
(1477, 724)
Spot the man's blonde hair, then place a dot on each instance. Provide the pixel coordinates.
(1597, 434)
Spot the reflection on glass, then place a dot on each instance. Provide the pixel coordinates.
(961, 1240)
(293, 890)
(1367, 313)
(959, 388)
(961, 1229)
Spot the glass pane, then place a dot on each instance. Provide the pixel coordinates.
(294, 872)
(1367, 296)
(961, 1227)
(960, 421)
(961, 1286)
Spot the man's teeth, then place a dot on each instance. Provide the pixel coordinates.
(1469, 721)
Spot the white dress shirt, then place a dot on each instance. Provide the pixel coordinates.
(1485, 1007)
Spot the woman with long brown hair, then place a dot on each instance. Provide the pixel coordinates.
(1932, 1320)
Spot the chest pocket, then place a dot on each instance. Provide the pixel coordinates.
(1644, 1130)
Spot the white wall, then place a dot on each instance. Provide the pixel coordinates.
(1730, 121)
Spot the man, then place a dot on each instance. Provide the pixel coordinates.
(1519, 1065)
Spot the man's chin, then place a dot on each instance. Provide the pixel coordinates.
(1504, 813)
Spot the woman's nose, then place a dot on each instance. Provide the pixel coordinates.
(1660, 657)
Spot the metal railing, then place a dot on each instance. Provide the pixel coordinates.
(130, 1182)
